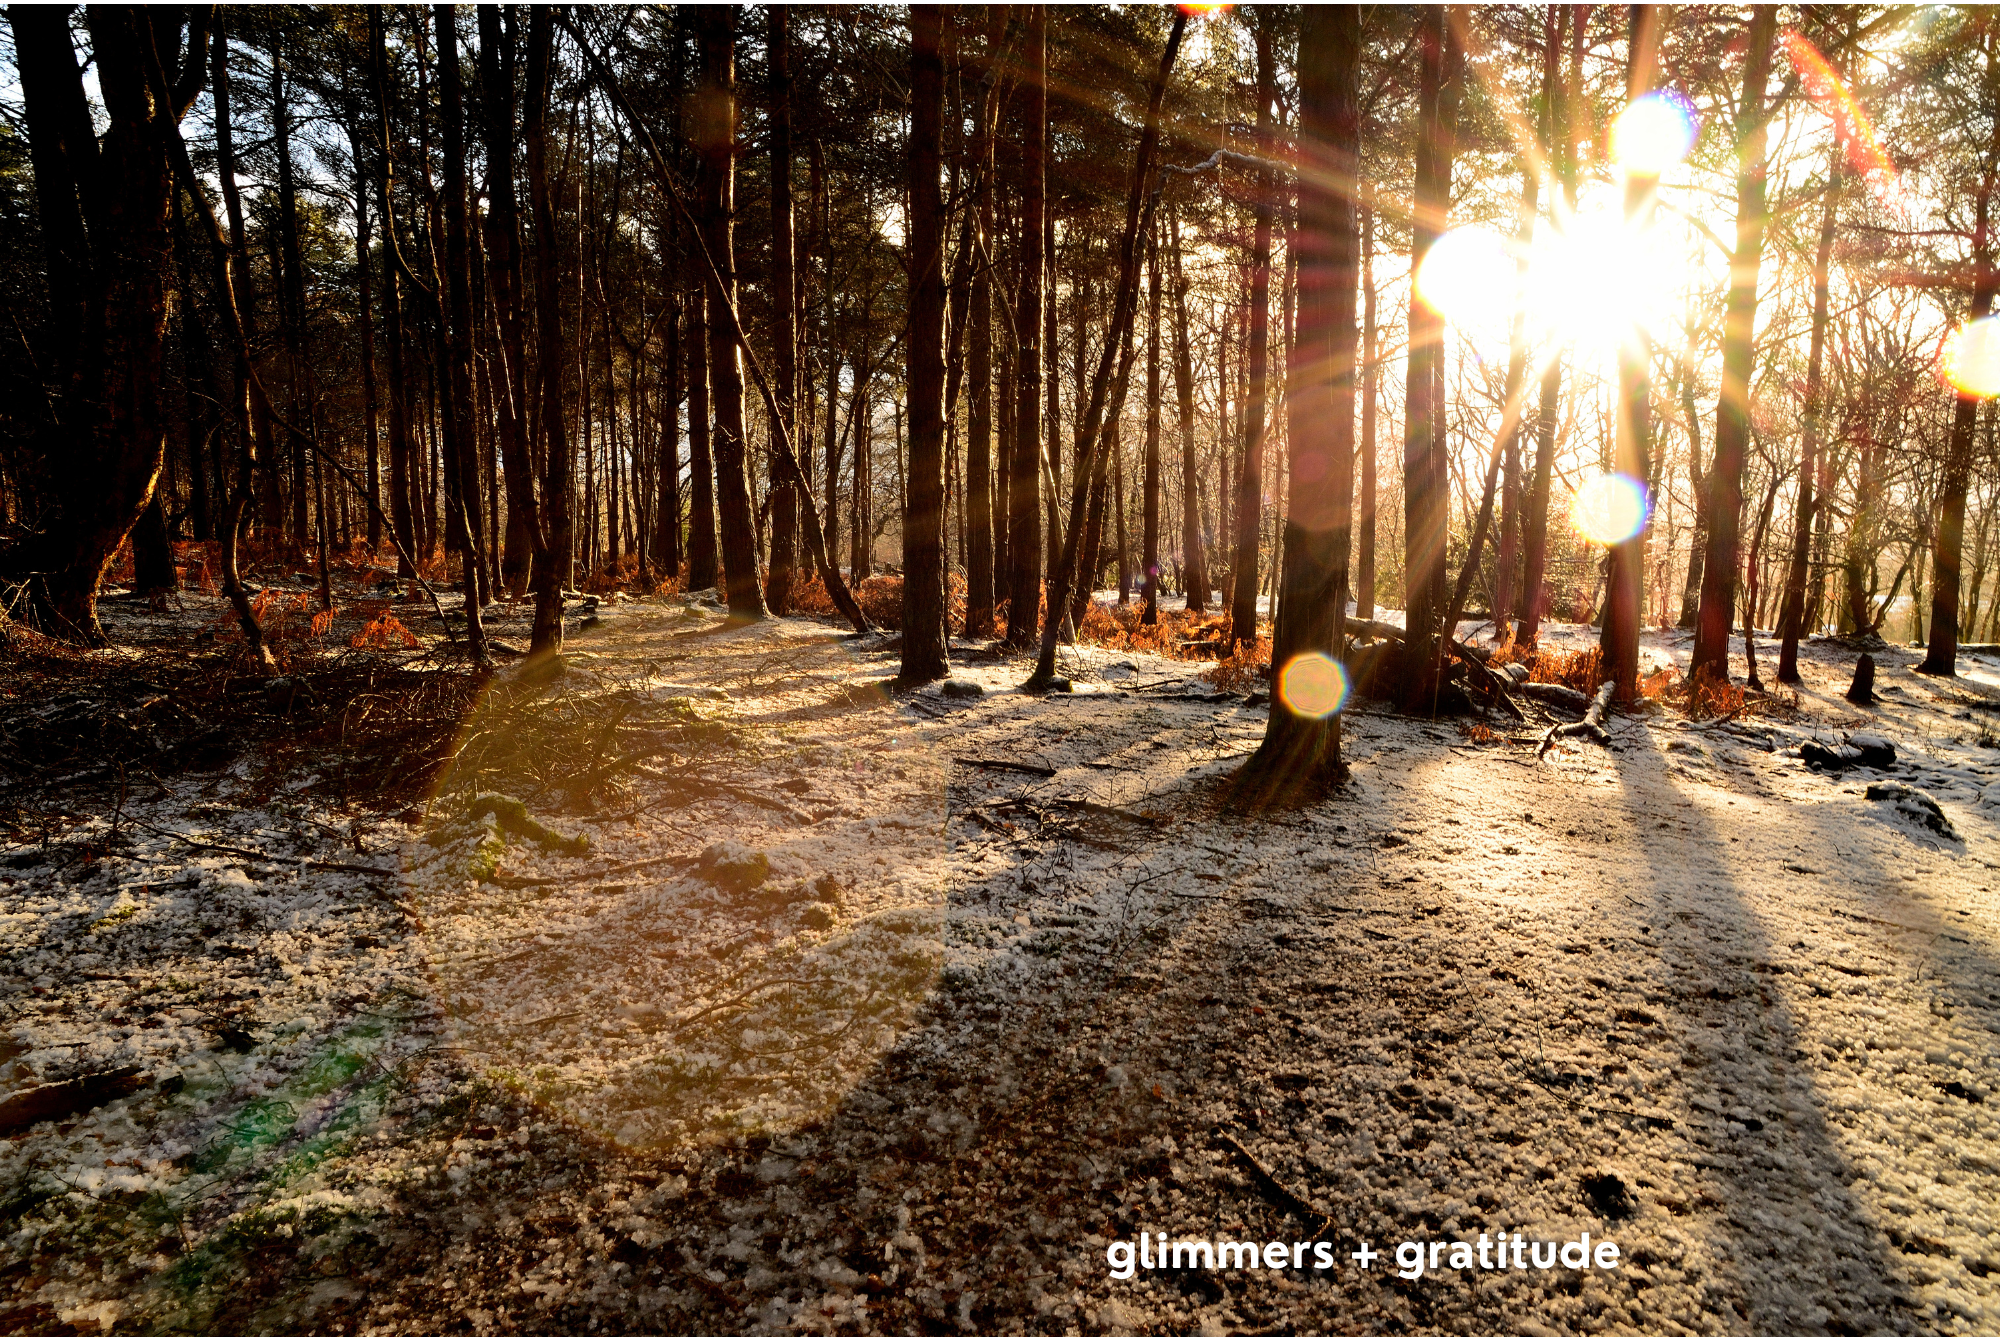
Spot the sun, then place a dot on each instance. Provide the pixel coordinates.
(1590, 283)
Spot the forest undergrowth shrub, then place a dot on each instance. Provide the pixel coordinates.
(1707, 694)
(624, 575)
(1581, 670)
(1242, 669)
(880, 598)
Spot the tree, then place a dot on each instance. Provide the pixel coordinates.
(924, 656)
(1250, 479)
(1024, 512)
(105, 207)
(1791, 621)
(1426, 497)
(1117, 353)
(1559, 141)
(980, 462)
(553, 359)
(1300, 752)
(1149, 544)
(1941, 655)
(714, 133)
(1618, 637)
(458, 422)
(1194, 565)
(1724, 477)
(503, 270)
(785, 500)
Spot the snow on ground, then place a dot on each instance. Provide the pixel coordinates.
(829, 1032)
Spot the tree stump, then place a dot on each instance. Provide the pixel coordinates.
(1862, 691)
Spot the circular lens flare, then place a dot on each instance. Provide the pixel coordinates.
(1653, 133)
(1610, 509)
(1312, 684)
(1972, 358)
(1467, 277)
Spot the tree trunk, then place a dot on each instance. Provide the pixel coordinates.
(1117, 350)
(979, 455)
(1024, 514)
(1194, 559)
(703, 560)
(364, 279)
(784, 304)
(1792, 618)
(667, 522)
(1426, 483)
(1250, 482)
(460, 453)
(1300, 752)
(715, 140)
(504, 277)
(402, 509)
(552, 560)
(292, 293)
(861, 514)
(105, 209)
(1371, 373)
(1722, 563)
(1941, 655)
(1618, 639)
(1559, 141)
(1149, 543)
(924, 653)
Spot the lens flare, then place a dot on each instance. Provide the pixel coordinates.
(1610, 509)
(1972, 358)
(1653, 133)
(1312, 685)
(1866, 156)
(1202, 11)
(1467, 277)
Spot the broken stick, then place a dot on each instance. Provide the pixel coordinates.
(1007, 765)
(1281, 1196)
(1592, 725)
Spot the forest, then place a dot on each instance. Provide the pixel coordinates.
(839, 669)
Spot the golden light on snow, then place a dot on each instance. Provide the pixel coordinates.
(1972, 358)
(1313, 685)
(1609, 509)
(665, 985)
(1652, 134)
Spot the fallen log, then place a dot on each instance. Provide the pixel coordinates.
(1560, 695)
(65, 1098)
(1496, 685)
(1592, 725)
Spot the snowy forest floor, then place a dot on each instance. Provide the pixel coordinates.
(762, 1012)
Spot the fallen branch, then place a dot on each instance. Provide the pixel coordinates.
(1561, 695)
(1496, 685)
(737, 1000)
(532, 881)
(43, 1102)
(1008, 765)
(1099, 808)
(1592, 725)
(306, 862)
(1279, 1195)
